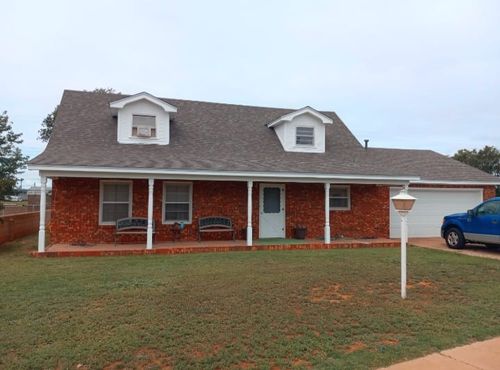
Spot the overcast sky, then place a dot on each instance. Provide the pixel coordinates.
(410, 74)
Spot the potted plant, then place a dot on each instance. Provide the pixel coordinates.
(299, 232)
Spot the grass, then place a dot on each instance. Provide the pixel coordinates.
(322, 309)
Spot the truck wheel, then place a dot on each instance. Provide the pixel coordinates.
(454, 238)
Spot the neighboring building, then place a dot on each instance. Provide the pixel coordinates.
(268, 169)
(33, 196)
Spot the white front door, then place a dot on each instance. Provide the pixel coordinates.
(272, 211)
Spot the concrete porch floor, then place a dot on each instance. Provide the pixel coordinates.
(182, 247)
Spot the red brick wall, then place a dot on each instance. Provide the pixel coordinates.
(489, 192)
(75, 214)
(16, 226)
(368, 216)
(76, 210)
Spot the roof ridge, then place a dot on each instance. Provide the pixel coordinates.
(203, 101)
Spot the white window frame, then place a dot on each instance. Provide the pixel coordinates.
(313, 144)
(348, 188)
(144, 137)
(170, 222)
(101, 198)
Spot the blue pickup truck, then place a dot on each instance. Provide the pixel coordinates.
(478, 225)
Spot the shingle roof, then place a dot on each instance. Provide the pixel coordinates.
(225, 137)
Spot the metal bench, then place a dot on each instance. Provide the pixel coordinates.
(215, 224)
(132, 225)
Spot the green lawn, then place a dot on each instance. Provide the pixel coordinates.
(321, 309)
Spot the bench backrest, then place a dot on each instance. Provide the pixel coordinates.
(132, 223)
(215, 221)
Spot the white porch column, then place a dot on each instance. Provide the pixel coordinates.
(149, 243)
(249, 213)
(41, 230)
(327, 213)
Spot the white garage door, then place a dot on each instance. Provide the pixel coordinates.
(431, 206)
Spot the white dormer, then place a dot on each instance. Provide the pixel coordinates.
(143, 119)
(302, 130)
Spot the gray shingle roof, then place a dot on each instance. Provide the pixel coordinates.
(225, 137)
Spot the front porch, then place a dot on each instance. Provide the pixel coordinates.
(85, 210)
(186, 247)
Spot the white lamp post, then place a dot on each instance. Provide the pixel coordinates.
(403, 203)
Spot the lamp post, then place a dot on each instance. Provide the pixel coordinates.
(403, 203)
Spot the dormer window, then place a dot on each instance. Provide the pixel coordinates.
(143, 126)
(143, 119)
(303, 130)
(304, 136)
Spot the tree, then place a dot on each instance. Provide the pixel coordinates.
(11, 158)
(45, 131)
(486, 159)
(48, 125)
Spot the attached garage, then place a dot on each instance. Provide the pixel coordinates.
(431, 206)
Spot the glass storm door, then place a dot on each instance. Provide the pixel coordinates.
(272, 211)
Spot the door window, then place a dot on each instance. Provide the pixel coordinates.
(272, 200)
(490, 208)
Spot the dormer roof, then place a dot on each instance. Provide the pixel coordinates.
(118, 104)
(307, 109)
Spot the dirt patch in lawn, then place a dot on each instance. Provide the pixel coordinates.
(245, 365)
(389, 341)
(356, 346)
(332, 294)
(298, 362)
(199, 354)
(145, 358)
(421, 284)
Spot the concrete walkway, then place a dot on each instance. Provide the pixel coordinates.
(480, 355)
(470, 249)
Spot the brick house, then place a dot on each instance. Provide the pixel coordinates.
(270, 170)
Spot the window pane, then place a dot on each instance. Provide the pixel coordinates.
(491, 208)
(115, 192)
(177, 193)
(112, 211)
(147, 121)
(272, 201)
(338, 192)
(339, 202)
(304, 136)
(177, 212)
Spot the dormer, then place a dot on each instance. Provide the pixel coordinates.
(143, 119)
(302, 130)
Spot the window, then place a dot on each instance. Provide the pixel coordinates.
(115, 201)
(143, 126)
(177, 202)
(304, 136)
(490, 208)
(340, 198)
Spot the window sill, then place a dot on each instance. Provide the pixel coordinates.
(340, 209)
(176, 222)
(144, 138)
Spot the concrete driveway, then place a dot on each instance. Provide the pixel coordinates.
(470, 249)
(480, 355)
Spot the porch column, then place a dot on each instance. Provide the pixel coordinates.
(41, 230)
(149, 243)
(249, 212)
(327, 213)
